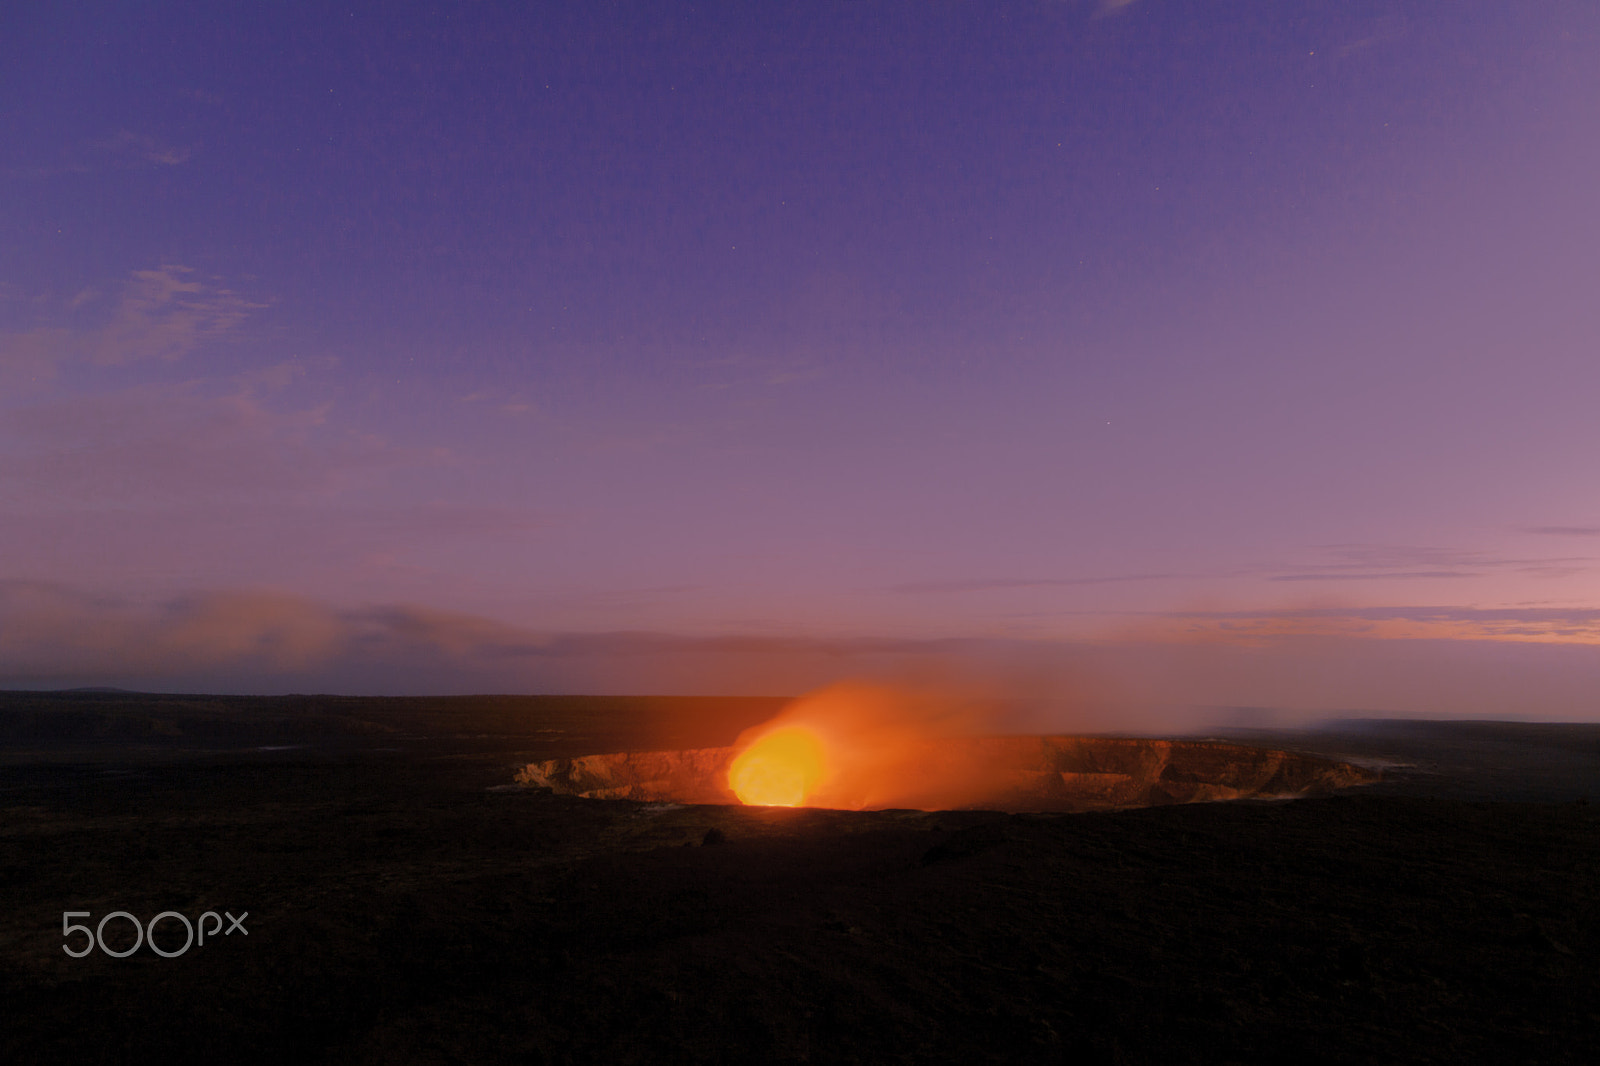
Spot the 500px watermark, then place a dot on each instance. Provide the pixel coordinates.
(97, 935)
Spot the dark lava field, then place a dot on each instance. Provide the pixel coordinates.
(401, 900)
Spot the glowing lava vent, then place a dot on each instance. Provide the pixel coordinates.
(779, 769)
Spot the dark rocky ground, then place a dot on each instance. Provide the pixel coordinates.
(405, 907)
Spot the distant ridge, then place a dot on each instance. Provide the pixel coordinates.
(100, 688)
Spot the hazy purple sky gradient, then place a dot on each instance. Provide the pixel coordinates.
(1131, 323)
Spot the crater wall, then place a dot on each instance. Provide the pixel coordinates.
(1012, 773)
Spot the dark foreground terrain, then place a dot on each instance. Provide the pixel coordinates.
(406, 906)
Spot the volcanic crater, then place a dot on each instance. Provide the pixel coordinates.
(1005, 773)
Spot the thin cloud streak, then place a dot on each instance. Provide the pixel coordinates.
(1553, 625)
(1362, 562)
(986, 584)
(1374, 575)
(1421, 612)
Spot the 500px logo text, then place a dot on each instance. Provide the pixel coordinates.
(97, 935)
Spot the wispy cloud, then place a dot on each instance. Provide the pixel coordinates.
(268, 641)
(165, 314)
(1560, 625)
(160, 314)
(123, 150)
(740, 370)
(1112, 7)
(1367, 562)
(51, 632)
(999, 583)
(1386, 29)
(130, 147)
(1345, 563)
(1372, 575)
(169, 479)
(156, 445)
(508, 403)
(1567, 531)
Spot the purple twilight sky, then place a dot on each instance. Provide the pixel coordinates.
(1228, 352)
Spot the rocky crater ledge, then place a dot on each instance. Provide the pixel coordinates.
(1014, 773)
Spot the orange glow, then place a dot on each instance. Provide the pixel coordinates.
(858, 746)
(780, 769)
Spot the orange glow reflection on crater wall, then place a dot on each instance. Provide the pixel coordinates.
(780, 769)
